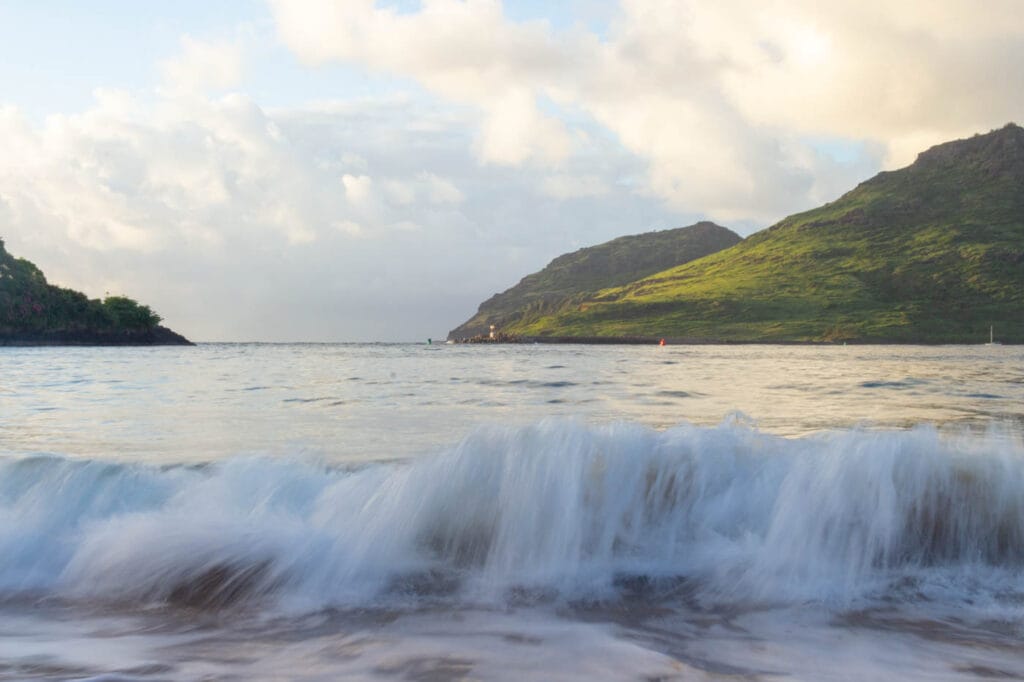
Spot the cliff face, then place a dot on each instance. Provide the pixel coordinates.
(594, 268)
(34, 312)
(931, 253)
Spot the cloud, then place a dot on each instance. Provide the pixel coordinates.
(464, 50)
(923, 72)
(203, 65)
(424, 188)
(438, 190)
(358, 188)
(349, 227)
(357, 219)
(573, 186)
(723, 100)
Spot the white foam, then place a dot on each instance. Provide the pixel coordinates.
(558, 507)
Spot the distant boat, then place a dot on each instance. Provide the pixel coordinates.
(991, 340)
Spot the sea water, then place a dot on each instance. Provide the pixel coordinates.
(424, 512)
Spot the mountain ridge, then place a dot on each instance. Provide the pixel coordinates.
(617, 261)
(930, 253)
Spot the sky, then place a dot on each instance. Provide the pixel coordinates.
(351, 170)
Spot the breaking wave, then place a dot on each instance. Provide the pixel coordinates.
(558, 509)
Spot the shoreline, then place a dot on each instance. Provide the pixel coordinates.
(691, 341)
(157, 336)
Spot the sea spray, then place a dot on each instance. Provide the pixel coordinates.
(557, 508)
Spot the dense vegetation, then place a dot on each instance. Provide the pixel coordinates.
(33, 310)
(571, 276)
(930, 253)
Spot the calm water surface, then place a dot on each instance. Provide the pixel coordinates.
(359, 402)
(247, 511)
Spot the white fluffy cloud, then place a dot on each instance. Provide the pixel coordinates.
(202, 65)
(724, 100)
(127, 175)
(358, 188)
(466, 51)
(564, 186)
(238, 223)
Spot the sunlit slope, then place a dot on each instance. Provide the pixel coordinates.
(591, 269)
(933, 253)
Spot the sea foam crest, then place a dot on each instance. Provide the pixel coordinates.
(556, 508)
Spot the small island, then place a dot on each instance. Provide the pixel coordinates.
(34, 312)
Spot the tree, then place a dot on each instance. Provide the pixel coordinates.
(129, 314)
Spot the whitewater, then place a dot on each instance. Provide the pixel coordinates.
(516, 512)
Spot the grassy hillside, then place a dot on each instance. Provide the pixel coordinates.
(33, 311)
(930, 253)
(593, 268)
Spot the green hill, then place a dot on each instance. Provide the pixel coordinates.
(572, 275)
(931, 253)
(35, 312)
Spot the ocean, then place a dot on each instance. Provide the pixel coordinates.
(511, 512)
